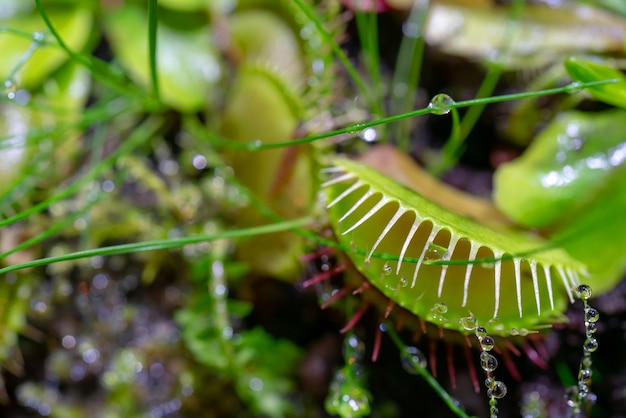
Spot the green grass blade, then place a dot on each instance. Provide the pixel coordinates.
(161, 244)
(153, 24)
(139, 136)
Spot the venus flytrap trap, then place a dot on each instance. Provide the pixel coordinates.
(419, 263)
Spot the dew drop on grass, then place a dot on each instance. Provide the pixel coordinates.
(356, 128)
(487, 343)
(38, 37)
(413, 358)
(404, 282)
(481, 332)
(254, 145)
(498, 390)
(584, 291)
(435, 252)
(488, 362)
(441, 104)
(468, 322)
(591, 315)
(8, 89)
(574, 87)
(590, 345)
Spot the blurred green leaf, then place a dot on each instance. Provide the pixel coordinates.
(187, 61)
(585, 70)
(75, 26)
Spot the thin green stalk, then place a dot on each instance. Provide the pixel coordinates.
(367, 27)
(422, 371)
(99, 69)
(49, 231)
(216, 284)
(341, 56)
(153, 24)
(139, 136)
(199, 131)
(256, 145)
(36, 43)
(408, 69)
(452, 150)
(164, 244)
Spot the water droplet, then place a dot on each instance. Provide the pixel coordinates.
(488, 362)
(199, 162)
(584, 375)
(441, 104)
(255, 145)
(481, 332)
(469, 322)
(356, 128)
(440, 308)
(354, 348)
(404, 282)
(584, 291)
(91, 355)
(591, 328)
(591, 314)
(387, 270)
(356, 402)
(369, 135)
(9, 89)
(574, 87)
(318, 66)
(498, 390)
(487, 343)
(413, 358)
(493, 411)
(38, 36)
(571, 396)
(590, 345)
(255, 384)
(435, 252)
(220, 291)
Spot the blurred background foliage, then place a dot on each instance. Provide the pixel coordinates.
(128, 121)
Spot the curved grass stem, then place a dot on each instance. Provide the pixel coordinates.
(423, 372)
(164, 244)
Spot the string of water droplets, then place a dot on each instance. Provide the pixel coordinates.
(580, 396)
(495, 388)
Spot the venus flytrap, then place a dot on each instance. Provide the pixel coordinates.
(459, 276)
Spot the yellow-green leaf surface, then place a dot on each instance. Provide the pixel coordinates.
(568, 164)
(425, 257)
(572, 182)
(541, 35)
(584, 70)
(74, 24)
(188, 67)
(23, 129)
(283, 179)
(263, 38)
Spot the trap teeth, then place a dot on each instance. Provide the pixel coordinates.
(391, 233)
